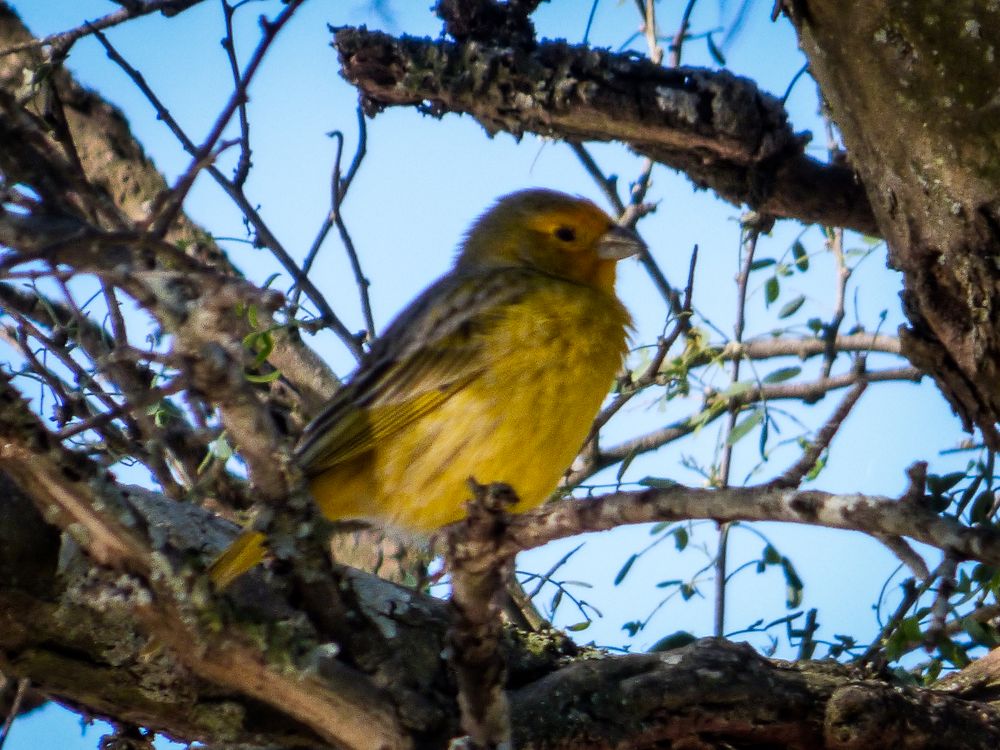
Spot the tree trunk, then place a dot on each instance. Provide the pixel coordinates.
(912, 87)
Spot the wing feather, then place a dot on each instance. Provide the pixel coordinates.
(433, 350)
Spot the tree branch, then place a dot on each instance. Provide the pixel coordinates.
(870, 514)
(719, 129)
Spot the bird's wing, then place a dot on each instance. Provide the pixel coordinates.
(435, 348)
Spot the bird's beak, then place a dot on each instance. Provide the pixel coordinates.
(619, 242)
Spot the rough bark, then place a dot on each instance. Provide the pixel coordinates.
(912, 88)
(73, 630)
(718, 128)
(113, 616)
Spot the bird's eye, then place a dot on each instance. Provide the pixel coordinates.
(565, 234)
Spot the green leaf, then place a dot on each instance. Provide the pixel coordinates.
(791, 307)
(577, 627)
(660, 483)
(814, 324)
(781, 375)
(983, 573)
(762, 263)
(954, 653)
(817, 468)
(793, 584)
(658, 527)
(771, 290)
(668, 584)
(941, 484)
(979, 632)
(219, 449)
(680, 538)
(626, 568)
(267, 377)
(672, 641)
(801, 256)
(771, 556)
(981, 507)
(742, 428)
(737, 389)
(632, 627)
(624, 466)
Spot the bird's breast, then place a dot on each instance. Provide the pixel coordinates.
(549, 361)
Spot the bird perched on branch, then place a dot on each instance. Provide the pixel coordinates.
(494, 373)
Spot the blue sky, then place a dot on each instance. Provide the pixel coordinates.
(422, 183)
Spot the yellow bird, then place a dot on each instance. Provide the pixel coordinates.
(494, 373)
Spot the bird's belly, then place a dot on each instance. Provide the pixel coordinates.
(525, 436)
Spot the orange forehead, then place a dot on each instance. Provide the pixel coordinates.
(546, 210)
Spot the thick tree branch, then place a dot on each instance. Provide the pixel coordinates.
(99, 660)
(909, 88)
(719, 129)
(866, 513)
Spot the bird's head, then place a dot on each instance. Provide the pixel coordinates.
(553, 232)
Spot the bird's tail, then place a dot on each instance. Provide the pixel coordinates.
(243, 554)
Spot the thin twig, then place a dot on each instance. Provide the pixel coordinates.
(811, 391)
(15, 708)
(64, 40)
(678, 41)
(939, 609)
(663, 345)
(264, 234)
(749, 245)
(649, 30)
(229, 44)
(338, 191)
(608, 186)
(794, 475)
(905, 553)
(165, 213)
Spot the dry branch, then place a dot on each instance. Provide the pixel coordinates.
(719, 129)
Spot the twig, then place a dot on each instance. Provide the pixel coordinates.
(663, 345)
(939, 609)
(780, 391)
(338, 190)
(12, 712)
(264, 234)
(678, 41)
(906, 554)
(865, 513)
(139, 402)
(62, 41)
(164, 213)
(649, 30)
(608, 185)
(629, 215)
(911, 593)
(229, 44)
(590, 22)
(477, 576)
(793, 476)
(749, 245)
